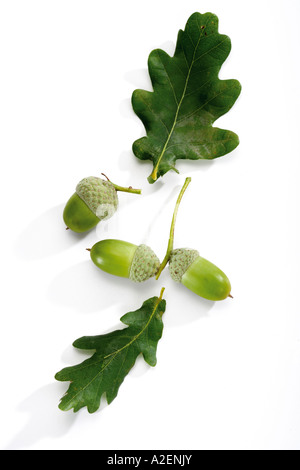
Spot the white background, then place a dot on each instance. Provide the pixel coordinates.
(227, 375)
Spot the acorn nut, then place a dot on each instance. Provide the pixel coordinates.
(124, 259)
(199, 275)
(94, 200)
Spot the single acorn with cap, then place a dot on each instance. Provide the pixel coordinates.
(198, 274)
(120, 258)
(94, 200)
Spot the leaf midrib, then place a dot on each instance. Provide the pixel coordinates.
(154, 173)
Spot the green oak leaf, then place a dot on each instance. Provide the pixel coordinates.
(114, 356)
(186, 100)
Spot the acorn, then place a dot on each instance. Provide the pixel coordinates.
(94, 200)
(124, 259)
(199, 275)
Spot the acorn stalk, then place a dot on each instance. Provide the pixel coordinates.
(172, 229)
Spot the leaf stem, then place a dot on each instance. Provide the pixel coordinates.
(171, 237)
(130, 189)
(161, 294)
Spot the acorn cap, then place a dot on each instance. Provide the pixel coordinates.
(145, 264)
(99, 195)
(179, 262)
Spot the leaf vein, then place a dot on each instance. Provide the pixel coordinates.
(158, 117)
(187, 116)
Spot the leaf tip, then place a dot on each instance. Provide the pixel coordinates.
(58, 376)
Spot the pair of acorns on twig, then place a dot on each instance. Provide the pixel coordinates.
(96, 199)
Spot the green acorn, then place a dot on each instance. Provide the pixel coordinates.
(94, 200)
(199, 275)
(120, 258)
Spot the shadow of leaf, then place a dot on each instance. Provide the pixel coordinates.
(45, 419)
